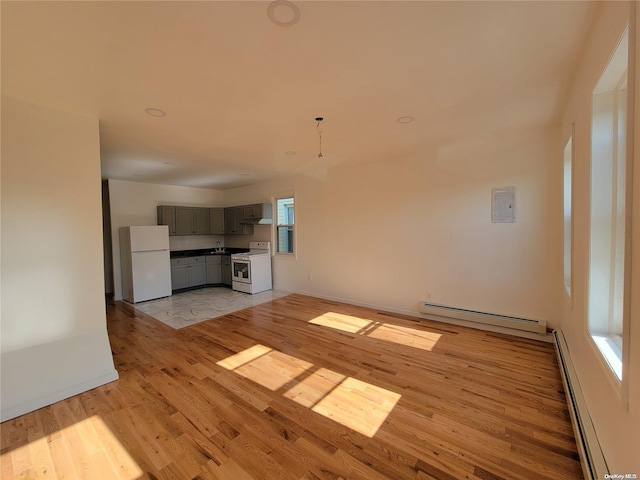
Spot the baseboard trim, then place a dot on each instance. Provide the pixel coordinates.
(412, 313)
(594, 465)
(70, 391)
(484, 318)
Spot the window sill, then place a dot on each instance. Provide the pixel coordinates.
(608, 346)
(285, 255)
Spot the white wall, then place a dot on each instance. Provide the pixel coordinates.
(616, 425)
(133, 203)
(54, 336)
(385, 234)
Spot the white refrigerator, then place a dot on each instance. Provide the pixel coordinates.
(146, 268)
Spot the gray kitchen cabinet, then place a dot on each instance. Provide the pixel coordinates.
(252, 211)
(262, 211)
(216, 221)
(214, 269)
(198, 275)
(226, 269)
(188, 272)
(231, 224)
(237, 220)
(179, 277)
(233, 221)
(167, 216)
(184, 220)
(192, 221)
(201, 224)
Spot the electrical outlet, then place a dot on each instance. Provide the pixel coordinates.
(429, 295)
(310, 276)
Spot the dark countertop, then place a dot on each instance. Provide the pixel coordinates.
(205, 251)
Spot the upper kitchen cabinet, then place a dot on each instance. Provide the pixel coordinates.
(237, 220)
(234, 221)
(216, 221)
(258, 213)
(167, 216)
(192, 221)
(184, 220)
(201, 221)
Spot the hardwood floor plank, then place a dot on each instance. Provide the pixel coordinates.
(71, 437)
(207, 447)
(232, 470)
(63, 460)
(129, 444)
(103, 466)
(301, 388)
(38, 448)
(6, 466)
(325, 466)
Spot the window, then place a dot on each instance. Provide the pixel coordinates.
(285, 213)
(609, 198)
(568, 167)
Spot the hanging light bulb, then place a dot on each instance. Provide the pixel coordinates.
(319, 119)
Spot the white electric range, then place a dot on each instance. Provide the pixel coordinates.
(251, 271)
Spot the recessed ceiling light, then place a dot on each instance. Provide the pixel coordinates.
(138, 175)
(168, 163)
(404, 119)
(283, 13)
(155, 112)
(289, 152)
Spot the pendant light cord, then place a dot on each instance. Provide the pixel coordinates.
(319, 119)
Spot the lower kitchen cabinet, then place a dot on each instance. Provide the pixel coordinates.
(198, 275)
(179, 277)
(214, 271)
(188, 272)
(225, 269)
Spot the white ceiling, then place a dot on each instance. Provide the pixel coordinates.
(240, 91)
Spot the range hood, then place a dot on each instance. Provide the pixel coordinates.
(258, 221)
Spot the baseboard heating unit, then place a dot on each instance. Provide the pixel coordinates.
(594, 466)
(535, 326)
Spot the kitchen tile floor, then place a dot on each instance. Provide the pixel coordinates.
(183, 309)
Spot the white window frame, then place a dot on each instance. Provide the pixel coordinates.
(609, 292)
(568, 176)
(276, 224)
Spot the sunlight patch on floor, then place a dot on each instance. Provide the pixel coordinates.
(410, 337)
(97, 453)
(315, 387)
(339, 321)
(243, 357)
(354, 403)
(358, 405)
(270, 368)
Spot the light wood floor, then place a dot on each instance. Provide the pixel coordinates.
(305, 389)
